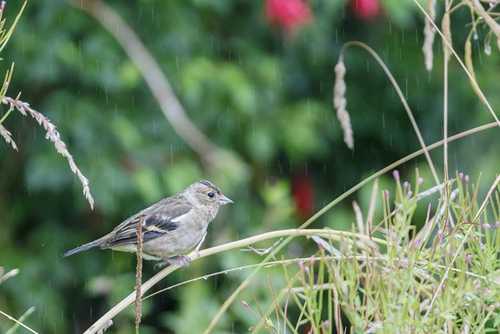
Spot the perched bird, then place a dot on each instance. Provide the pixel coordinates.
(171, 228)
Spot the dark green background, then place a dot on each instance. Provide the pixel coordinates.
(252, 90)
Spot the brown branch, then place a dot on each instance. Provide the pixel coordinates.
(153, 75)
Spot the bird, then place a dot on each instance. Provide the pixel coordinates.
(171, 228)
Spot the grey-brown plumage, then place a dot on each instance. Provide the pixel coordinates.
(172, 227)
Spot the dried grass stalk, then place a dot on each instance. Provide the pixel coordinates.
(359, 218)
(7, 136)
(9, 274)
(470, 65)
(446, 28)
(138, 276)
(340, 103)
(488, 19)
(429, 33)
(53, 135)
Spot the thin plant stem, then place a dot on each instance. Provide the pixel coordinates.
(446, 55)
(4, 117)
(462, 244)
(138, 275)
(401, 97)
(445, 98)
(21, 319)
(18, 322)
(469, 75)
(293, 261)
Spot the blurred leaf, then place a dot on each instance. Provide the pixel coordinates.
(148, 184)
(401, 12)
(197, 308)
(180, 174)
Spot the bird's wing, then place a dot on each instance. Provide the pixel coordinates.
(157, 220)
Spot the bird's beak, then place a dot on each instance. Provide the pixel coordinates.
(223, 200)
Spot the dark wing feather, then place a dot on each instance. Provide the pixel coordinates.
(157, 220)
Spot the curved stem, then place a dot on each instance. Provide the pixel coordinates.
(446, 21)
(18, 322)
(401, 97)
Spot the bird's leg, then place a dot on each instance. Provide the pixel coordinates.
(197, 250)
(161, 264)
(180, 260)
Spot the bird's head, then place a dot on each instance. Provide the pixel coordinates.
(208, 194)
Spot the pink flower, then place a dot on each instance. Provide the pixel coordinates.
(288, 14)
(366, 9)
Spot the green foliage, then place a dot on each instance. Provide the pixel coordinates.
(262, 96)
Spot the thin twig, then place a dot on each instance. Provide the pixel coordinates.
(18, 322)
(359, 218)
(261, 251)
(371, 208)
(22, 318)
(138, 275)
(401, 97)
(9, 274)
(462, 244)
(446, 26)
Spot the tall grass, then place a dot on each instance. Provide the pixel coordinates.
(395, 287)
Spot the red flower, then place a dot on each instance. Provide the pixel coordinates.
(288, 14)
(366, 9)
(303, 195)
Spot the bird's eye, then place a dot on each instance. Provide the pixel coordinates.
(211, 194)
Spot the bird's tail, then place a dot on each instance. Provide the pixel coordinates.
(85, 247)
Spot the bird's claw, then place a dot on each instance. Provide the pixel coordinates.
(181, 261)
(160, 265)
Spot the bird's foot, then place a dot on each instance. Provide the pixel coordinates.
(196, 254)
(160, 265)
(181, 261)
